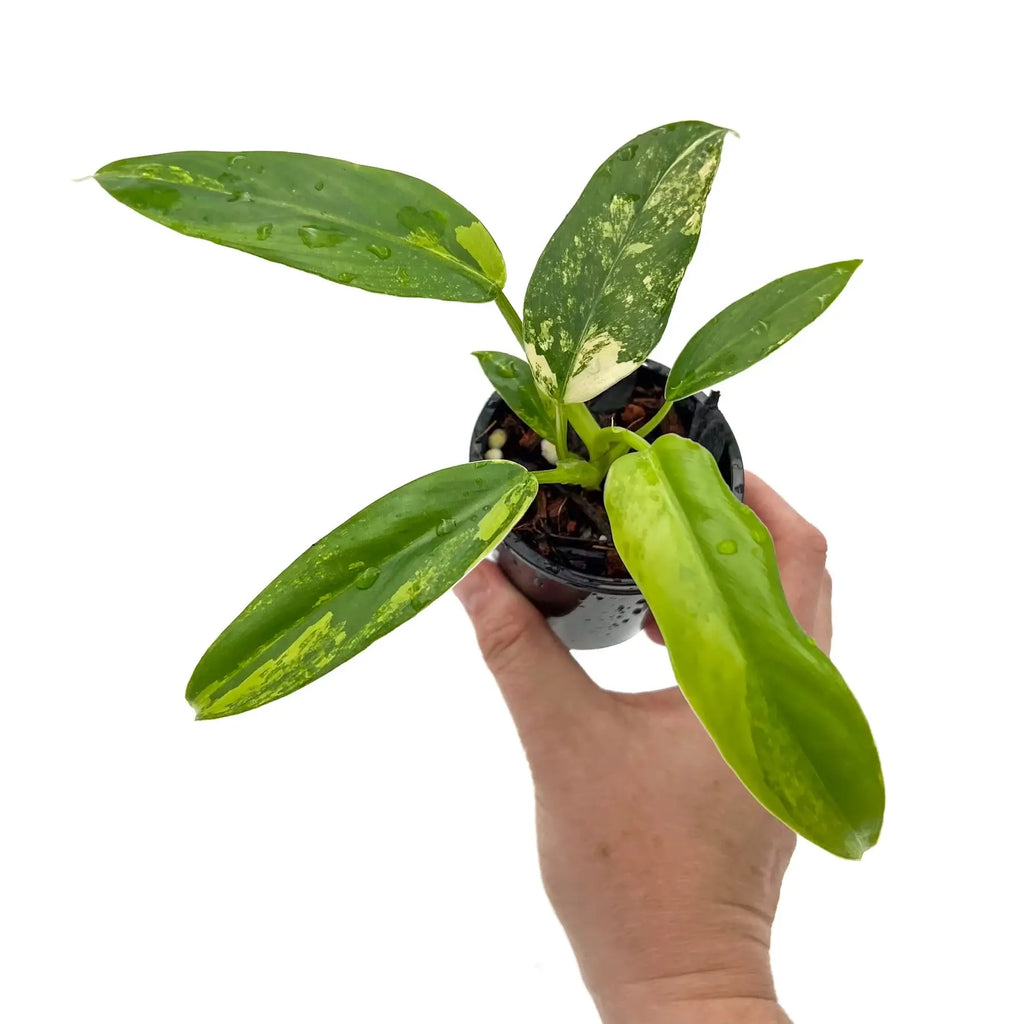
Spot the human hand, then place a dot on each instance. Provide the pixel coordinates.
(662, 868)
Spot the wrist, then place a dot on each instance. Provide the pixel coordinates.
(730, 995)
(719, 1010)
(714, 1011)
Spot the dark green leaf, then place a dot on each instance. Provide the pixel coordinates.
(513, 380)
(368, 576)
(756, 325)
(604, 286)
(774, 704)
(363, 226)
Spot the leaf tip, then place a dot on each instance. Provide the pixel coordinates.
(196, 706)
(204, 712)
(859, 842)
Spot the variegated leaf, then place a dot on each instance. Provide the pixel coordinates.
(603, 288)
(362, 226)
(775, 705)
(755, 326)
(513, 380)
(368, 576)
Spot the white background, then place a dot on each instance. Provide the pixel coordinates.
(181, 420)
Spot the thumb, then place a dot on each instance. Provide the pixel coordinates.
(540, 680)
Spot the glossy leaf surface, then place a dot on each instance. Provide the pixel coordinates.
(363, 226)
(755, 326)
(604, 285)
(513, 380)
(775, 705)
(368, 576)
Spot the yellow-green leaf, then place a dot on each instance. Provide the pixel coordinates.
(775, 705)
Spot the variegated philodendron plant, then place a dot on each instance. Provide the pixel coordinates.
(597, 304)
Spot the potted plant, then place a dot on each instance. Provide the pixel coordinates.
(597, 303)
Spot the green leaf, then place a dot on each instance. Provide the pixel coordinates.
(756, 325)
(774, 704)
(513, 380)
(604, 286)
(368, 576)
(364, 226)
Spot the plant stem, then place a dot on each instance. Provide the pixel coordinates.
(655, 419)
(586, 474)
(584, 424)
(626, 437)
(561, 432)
(508, 311)
(613, 452)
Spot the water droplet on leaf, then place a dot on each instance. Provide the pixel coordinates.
(403, 275)
(506, 370)
(243, 197)
(345, 278)
(367, 577)
(319, 238)
(727, 547)
(263, 231)
(628, 152)
(380, 251)
(237, 158)
(319, 186)
(445, 527)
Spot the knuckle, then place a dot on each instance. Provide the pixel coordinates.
(814, 541)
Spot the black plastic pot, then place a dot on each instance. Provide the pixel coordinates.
(584, 610)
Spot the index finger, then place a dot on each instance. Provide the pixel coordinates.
(800, 548)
